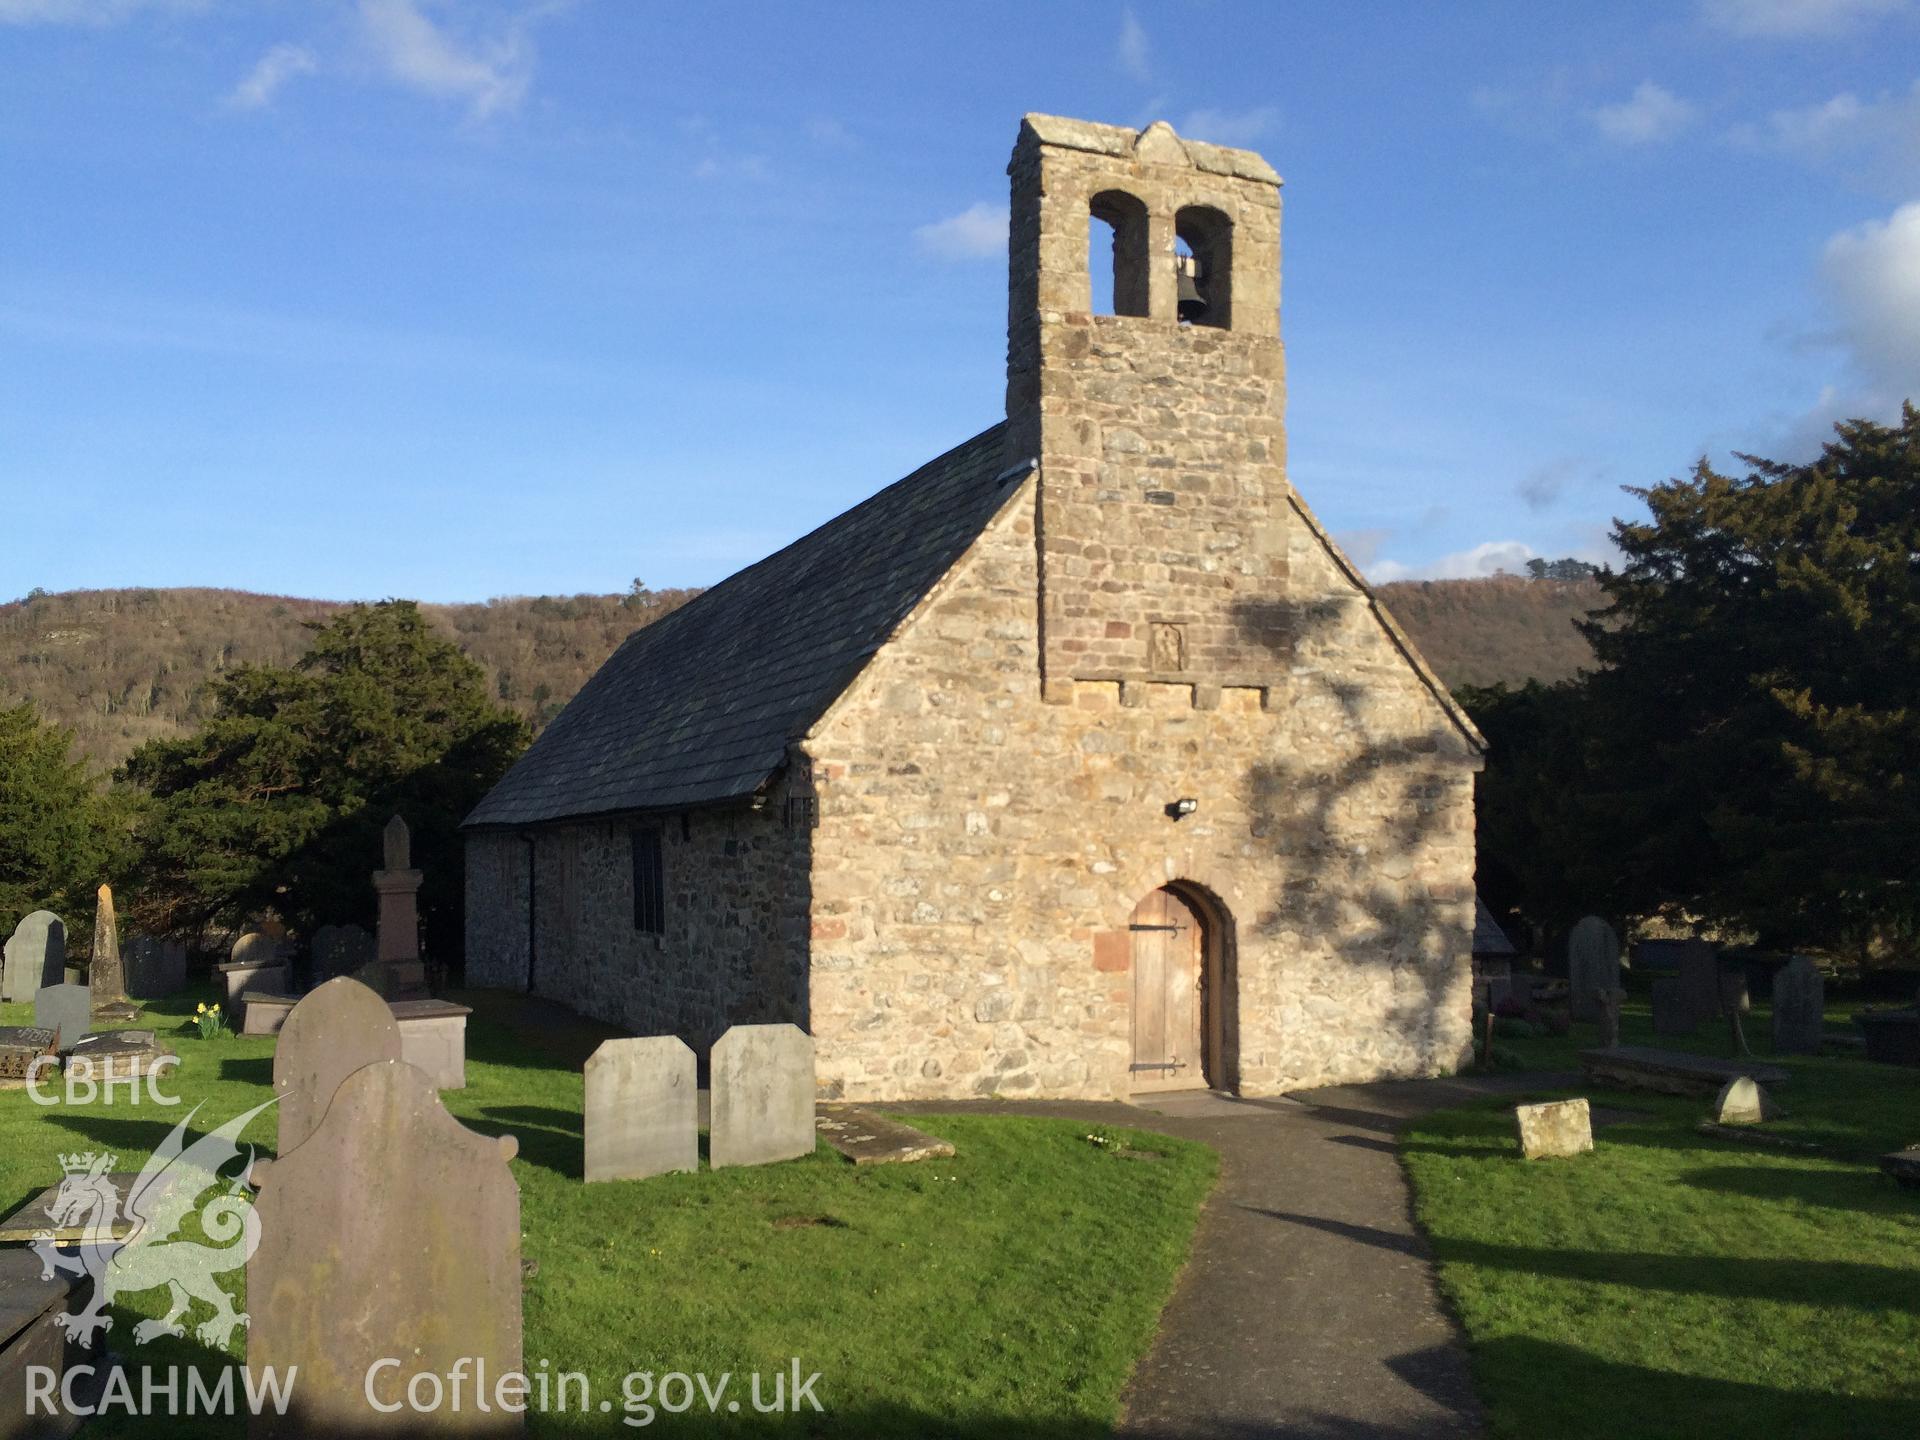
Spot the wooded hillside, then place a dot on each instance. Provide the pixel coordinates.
(122, 666)
(1505, 628)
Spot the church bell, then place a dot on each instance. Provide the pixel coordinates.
(1192, 302)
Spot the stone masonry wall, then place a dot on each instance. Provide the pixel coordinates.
(734, 950)
(1162, 446)
(496, 914)
(980, 850)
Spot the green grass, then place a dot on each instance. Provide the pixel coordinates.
(1673, 1285)
(1006, 1290)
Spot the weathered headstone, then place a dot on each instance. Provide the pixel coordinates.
(156, 968)
(1799, 1007)
(255, 947)
(1742, 1101)
(391, 1234)
(65, 1009)
(337, 1029)
(398, 948)
(762, 1095)
(1610, 1001)
(339, 950)
(36, 957)
(642, 1114)
(105, 975)
(1699, 977)
(1673, 1012)
(1554, 1129)
(1593, 965)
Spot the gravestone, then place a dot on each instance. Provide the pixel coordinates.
(1799, 1007)
(1593, 965)
(397, 951)
(156, 968)
(392, 1233)
(642, 1114)
(65, 1009)
(1699, 976)
(337, 1029)
(106, 977)
(1673, 1012)
(1743, 1101)
(36, 957)
(1554, 1130)
(340, 950)
(253, 948)
(761, 1101)
(119, 1055)
(1610, 1001)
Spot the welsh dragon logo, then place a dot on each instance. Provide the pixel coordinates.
(149, 1251)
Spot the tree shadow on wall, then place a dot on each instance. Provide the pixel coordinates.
(1353, 833)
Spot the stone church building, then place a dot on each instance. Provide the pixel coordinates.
(1080, 762)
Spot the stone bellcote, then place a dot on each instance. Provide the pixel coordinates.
(1159, 429)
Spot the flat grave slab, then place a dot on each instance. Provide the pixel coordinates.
(1672, 1072)
(867, 1137)
(1904, 1166)
(20, 1046)
(30, 1340)
(30, 1221)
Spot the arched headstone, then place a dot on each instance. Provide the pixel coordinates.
(391, 1234)
(1593, 966)
(338, 1029)
(36, 957)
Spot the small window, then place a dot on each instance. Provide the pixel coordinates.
(649, 883)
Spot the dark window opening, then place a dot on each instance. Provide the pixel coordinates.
(649, 883)
(1118, 278)
(1203, 267)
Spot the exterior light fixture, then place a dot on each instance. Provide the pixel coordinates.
(1183, 807)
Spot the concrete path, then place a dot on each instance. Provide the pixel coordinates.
(1308, 1308)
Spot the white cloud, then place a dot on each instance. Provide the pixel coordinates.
(488, 76)
(1776, 19)
(86, 12)
(1878, 137)
(1489, 557)
(1132, 50)
(1647, 117)
(1229, 127)
(276, 67)
(1872, 277)
(977, 233)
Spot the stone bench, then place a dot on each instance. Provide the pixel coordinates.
(1672, 1072)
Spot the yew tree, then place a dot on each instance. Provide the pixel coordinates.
(1756, 713)
(277, 801)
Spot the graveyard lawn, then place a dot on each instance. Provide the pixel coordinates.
(1006, 1290)
(1673, 1284)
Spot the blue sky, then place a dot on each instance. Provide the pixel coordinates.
(399, 297)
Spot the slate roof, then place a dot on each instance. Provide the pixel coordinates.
(698, 708)
(1488, 937)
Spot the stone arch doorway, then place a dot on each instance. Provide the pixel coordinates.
(1184, 1026)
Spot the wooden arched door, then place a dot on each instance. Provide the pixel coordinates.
(1169, 1003)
